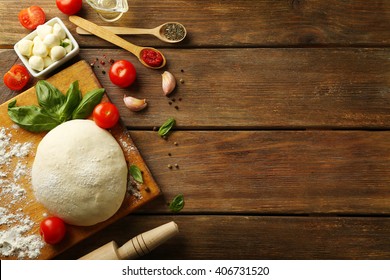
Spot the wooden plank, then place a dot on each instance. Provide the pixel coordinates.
(26, 204)
(217, 237)
(282, 88)
(295, 88)
(235, 23)
(271, 172)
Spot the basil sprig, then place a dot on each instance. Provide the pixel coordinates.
(64, 44)
(54, 107)
(32, 118)
(136, 173)
(177, 203)
(88, 103)
(166, 127)
(49, 97)
(73, 98)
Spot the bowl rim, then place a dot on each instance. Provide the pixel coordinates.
(68, 56)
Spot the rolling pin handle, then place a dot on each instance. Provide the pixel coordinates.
(144, 243)
(106, 252)
(136, 247)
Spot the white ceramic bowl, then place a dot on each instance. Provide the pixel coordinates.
(50, 68)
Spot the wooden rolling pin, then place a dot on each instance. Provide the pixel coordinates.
(135, 247)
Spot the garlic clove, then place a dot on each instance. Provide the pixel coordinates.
(134, 104)
(168, 82)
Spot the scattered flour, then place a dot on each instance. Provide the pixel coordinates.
(126, 146)
(15, 239)
(133, 187)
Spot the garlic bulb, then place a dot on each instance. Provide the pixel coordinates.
(168, 82)
(134, 104)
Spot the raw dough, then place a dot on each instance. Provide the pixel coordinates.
(79, 173)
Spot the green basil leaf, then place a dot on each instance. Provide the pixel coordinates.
(177, 203)
(166, 127)
(49, 97)
(73, 98)
(31, 118)
(64, 44)
(88, 103)
(12, 103)
(136, 173)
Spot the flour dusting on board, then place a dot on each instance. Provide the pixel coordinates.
(15, 239)
(133, 187)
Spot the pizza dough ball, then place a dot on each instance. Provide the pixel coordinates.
(80, 173)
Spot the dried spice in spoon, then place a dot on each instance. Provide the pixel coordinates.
(169, 32)
(173, 31)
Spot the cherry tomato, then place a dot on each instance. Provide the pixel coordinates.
(31, 17)
(122, 73)
(17, 77)
(52, 229)
(106, 115)
(152, 57)
(69, 7)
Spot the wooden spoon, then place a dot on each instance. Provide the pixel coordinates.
(158, 31)
(116, 40)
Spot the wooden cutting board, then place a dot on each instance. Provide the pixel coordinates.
(26, 205)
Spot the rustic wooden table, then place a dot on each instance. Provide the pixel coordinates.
(283, 141)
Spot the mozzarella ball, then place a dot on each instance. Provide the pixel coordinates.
(37, 40)
(48, 46)
(67, 45)
(47, 61)
(40, 49)
(36, 63)
(51, 40)
(57, 52)
(58, 31)
(25, 47)
(43, 30)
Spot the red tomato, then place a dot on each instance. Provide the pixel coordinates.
(31, 17)
(106, 115)
(69, 7)
(17, 77)
(52, 229)
(122, 73)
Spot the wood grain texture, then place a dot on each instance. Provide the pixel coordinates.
(282, 125)
(272, 172)
(281, 88)
(217, 237)
(235, 23)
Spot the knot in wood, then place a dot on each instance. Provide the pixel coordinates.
(297, 4)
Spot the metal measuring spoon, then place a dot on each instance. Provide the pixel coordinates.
(169, 32)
